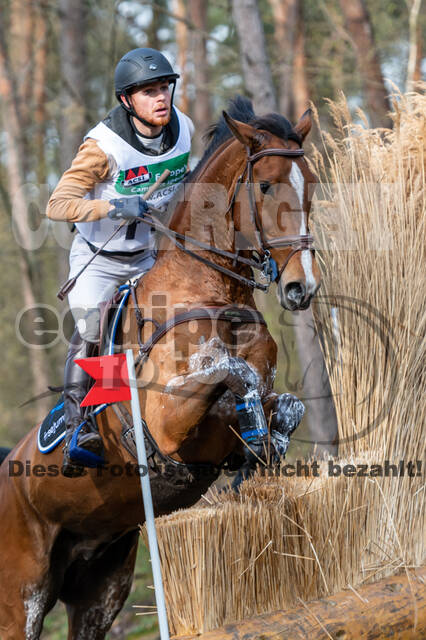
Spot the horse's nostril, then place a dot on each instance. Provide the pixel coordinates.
(295, 292)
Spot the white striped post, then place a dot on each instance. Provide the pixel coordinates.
(147, 499)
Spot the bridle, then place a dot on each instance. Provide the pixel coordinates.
(264, 263)
(298, 242)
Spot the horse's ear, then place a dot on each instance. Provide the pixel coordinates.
(304, 125)
(246, 134)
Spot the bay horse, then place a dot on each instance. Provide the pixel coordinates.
(75, 539)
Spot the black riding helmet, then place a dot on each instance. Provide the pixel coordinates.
(139, 67)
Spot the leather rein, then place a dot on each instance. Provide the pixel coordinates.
(265, 263)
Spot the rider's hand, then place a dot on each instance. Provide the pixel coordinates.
(128, 208)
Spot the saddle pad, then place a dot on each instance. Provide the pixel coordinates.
(52, 429)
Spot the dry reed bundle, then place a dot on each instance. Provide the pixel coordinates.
(372, 305)
(282, 540)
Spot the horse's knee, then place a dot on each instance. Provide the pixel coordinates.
(241, 377)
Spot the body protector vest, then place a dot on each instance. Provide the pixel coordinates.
(136, 169)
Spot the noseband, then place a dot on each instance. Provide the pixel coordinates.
(296, 242)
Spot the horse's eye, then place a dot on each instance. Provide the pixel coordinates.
(264, 186)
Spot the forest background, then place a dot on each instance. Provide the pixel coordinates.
(57, 59)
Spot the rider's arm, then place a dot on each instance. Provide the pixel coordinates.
(90, 167)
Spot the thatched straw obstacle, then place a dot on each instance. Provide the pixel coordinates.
(285, 541)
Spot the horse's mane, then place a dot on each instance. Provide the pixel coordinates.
(241, 108)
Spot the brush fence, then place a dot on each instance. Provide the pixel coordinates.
(282, 540)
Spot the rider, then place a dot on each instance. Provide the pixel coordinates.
(119, 159)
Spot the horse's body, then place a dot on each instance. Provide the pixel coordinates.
(76, 539)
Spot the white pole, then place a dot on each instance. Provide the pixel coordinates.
(147, 499)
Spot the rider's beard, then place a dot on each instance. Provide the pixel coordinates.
(159, 120)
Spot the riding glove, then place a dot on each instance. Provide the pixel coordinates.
(128, 208)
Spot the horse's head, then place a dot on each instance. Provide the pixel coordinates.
(276, 201)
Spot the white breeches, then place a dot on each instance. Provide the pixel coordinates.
(98, 283)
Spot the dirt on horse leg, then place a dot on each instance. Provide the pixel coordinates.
(27, 590)
(95, 590)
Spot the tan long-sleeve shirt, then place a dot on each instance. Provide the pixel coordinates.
(89, 167)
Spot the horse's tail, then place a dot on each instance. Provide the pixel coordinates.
(4, 452)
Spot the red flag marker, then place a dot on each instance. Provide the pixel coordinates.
(111, 376)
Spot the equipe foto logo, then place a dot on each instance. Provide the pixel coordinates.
(136, 175)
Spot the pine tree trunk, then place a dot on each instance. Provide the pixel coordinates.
(361, 31)
(179, 8)
(20, 49)
(284, 12)
(39, 91)
(15, 153)
(320, 412)
(73, 125)
(202, 112)
(300, 81)
(153, 28)
(254, 59)
(72, 50)
(414, 58)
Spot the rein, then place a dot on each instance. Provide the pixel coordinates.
(175, 236)
(266, 264)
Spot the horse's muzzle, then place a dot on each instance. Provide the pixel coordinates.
(294, 296)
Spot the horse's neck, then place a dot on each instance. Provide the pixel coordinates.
(201, 213)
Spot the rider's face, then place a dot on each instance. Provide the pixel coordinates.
(152, 102)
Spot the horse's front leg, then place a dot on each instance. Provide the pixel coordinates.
(213, 366)
(177, 417)
(265, 424)
(282, 414)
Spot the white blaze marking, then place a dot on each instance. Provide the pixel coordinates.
(298, 184)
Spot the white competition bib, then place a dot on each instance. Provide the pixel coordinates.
(135, 173)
